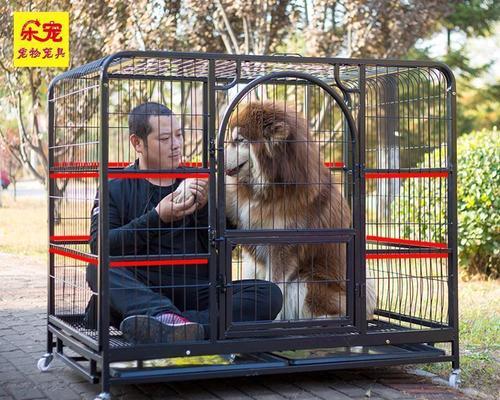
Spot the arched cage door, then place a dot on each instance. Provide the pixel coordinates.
(286, 184)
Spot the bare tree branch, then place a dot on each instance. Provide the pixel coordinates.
(225, 38)
(227, 24)
(247, 34)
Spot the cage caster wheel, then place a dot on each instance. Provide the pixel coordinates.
(103, 396)
(44, 362)
(454, 379)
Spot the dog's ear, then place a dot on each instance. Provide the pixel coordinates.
(276, 131)
(275, 134)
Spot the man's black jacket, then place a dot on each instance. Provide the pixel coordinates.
(135, 227)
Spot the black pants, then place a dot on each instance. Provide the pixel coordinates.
(154, 290)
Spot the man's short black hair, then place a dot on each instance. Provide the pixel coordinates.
(138, 119)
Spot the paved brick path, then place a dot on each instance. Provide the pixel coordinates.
(22, 342)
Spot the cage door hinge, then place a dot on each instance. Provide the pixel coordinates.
(222, 284)
(359, 170)
(360, 289)
(211, 147)
(213, 237)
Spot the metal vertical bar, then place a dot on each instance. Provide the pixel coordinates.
(205, 125)
(347, 150)
(451, 106)
(307, 101)
(346, 146)
(227, 292)
(359, 208)
(103, 233)
(50, 203)
(214, 266)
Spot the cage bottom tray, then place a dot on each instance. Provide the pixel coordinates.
(357, 353)
(194, 365)
(279, 360)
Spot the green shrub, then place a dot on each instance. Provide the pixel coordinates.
(479, 202)
(423, 216)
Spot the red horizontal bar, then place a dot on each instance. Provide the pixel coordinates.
(191, 164)
(76, 164)
(95, 164)
(67, 175)
(382, 256)
(170, 175)
(132, 263)
(144, 263)
(399, 175)
(116, 164)
(74, 238)
(92, 260)
(336, 164)
(407, 242)
(124, 175)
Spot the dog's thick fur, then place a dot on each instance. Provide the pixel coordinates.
(276, 179)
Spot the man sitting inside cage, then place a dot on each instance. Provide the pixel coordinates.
(164, 216)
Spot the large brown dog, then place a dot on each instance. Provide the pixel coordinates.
(276, 179)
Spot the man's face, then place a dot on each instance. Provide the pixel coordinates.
(164, 144)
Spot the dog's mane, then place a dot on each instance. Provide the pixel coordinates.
(294, 162)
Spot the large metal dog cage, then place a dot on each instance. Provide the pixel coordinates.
(385, 131)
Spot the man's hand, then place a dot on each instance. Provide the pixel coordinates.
(170, 211)
(199, 187)
(183, 192)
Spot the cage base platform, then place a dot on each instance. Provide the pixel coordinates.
(275, 362)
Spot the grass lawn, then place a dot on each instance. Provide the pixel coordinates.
(479, 307)
(23, 226)
(23, 230)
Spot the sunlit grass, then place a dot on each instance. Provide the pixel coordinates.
(23, 226)
(479, 307)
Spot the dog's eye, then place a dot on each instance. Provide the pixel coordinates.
(239, 140)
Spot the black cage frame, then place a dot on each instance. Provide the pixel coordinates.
(351, 84)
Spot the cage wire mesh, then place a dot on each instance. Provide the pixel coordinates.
(407, 234)
(406, 120)
(74, 150)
